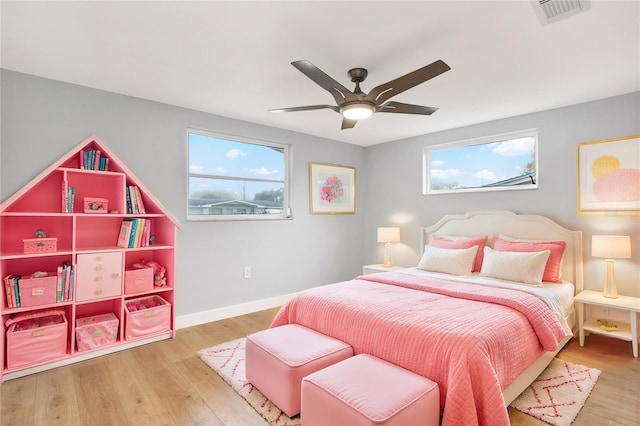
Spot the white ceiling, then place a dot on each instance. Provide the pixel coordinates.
(232, 58)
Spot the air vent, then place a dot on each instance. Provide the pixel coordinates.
(550, 11)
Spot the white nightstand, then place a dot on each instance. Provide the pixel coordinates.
(372, 269)
(628, 332)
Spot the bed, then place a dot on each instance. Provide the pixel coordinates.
(483, 336)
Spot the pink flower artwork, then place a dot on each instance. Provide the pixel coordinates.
(331, 190)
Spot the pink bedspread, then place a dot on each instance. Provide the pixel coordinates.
(472, 340)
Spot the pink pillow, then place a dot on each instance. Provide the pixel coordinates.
(463, 243)
(552, 270)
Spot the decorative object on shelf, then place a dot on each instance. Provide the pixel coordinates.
(388, 235)
(159, 279)
(610, 247)
(332, 189)
(39, 244)
(607, 326)
(95, 205)
(95, 331)
(609, 176)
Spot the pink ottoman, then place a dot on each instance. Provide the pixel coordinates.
(278, 358)
(365, 390)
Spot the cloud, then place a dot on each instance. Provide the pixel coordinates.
(446, 173)
(235, 153)
(263, 171)
(514, 147)
(194, 168)
(487, 176)
(221, 169)
(437, 162)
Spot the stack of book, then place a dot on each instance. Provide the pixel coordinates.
(134, 232)
(93, 160)
(64, 286)
(68, 197)
(135, 205)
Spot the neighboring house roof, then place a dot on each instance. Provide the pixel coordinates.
(518, 180)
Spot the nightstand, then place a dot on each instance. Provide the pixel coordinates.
(628, 332)
(372, 269)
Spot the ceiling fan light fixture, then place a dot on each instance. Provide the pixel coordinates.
(357, 110)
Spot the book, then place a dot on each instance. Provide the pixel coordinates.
(129, 209)
(134, 225)
(71, 199)
(8, 285)
(65, 196)
(59, 285)
(146, 233)
(135, 208)
(16, 289)
(125, 234)
(96, 161)
(82, 158)
(138, 238)
(139, 200)
(68, 293)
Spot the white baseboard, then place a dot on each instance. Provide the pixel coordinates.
(217, 314)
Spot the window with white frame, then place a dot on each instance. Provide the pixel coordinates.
(232, 177)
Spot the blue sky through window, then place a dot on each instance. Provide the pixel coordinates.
(477, 165)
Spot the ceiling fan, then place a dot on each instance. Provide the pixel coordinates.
(356, 105)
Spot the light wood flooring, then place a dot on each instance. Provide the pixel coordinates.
(165, 383)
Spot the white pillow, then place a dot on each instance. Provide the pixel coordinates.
(524, 267)
(449, 261)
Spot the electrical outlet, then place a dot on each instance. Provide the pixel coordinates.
(247, 271)
(604, 311)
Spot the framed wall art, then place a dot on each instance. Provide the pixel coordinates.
(332, 189)
(609, 176)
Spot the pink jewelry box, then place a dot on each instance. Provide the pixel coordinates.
(145, 316)
(95, 205)
(138, 280)
(36, 337)
(95, 331)
(39, 245)
(38, 291)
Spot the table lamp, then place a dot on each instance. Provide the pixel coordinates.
(388, 235)
(610, 247)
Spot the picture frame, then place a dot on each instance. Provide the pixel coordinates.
(332, 189)
(608, 176)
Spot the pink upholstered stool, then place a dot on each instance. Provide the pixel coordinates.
(277, 359)
(365, 390)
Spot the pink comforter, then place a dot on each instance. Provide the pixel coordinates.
(472, 340)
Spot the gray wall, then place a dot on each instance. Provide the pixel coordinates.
(394, 184)
(43, 119)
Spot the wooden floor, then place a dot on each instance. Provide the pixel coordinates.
(165, 383)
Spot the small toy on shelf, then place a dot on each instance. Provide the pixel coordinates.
(607, 326)
(159, 279)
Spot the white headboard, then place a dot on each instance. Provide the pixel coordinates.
(493, 222)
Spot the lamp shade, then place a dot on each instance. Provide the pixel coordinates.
(611, 246)
(389, 235)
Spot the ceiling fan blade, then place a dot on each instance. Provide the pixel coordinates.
(381, 93)
(401, 108)
(306, 108)
(337, 90)
(348, 124)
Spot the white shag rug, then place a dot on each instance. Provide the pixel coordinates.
(227, 359)
(555, 397)
(559, 393)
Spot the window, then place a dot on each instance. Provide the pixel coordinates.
(492, 163)
(237, 178)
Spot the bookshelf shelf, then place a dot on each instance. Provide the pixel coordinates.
(86, 243)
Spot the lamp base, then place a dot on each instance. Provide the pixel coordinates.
(387, 256)
(610, 288)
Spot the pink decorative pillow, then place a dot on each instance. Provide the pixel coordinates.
(552, 270)
(462, 243)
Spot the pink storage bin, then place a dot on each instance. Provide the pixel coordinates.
(36, 337)
(39, 245)
(95, 331)
(138, 280)
(145, 316)
(38, 291)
